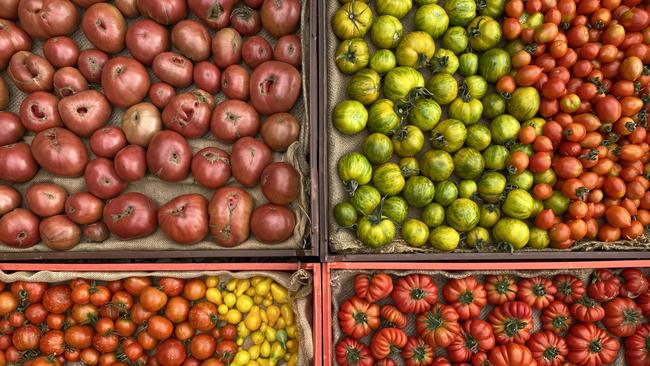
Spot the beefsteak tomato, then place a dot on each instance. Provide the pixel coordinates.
(358, 317)
(569, 288)
(467, 295)
(622, 317)
(350, 352)
(590, 345)
(511, 354)
(417, 352)
(415, 293)
(393, 316)
(373, 287)
(386, 342)
(511, 322)
(537, 292)
(438, 326)
(633, 283)
(475, 336)
(604, 285)
(500, 289)
(587, 310)
(548, 349)
(556, 318)
(637, 347)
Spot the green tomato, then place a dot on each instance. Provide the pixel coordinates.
(352, 55)
(383, 61)
(415, 233)
(446, 193)
(493, 64)
(352, 20)
(382, 117)
(478, 137)
(443, 88)
(490, 186)
(395, 209)
(524, 103)
(418, 191)
(466, 109)
(366, 199)
(558, 203)
(425, 2)
(409, 166)
(449, 135)
(462, 215)
(523, 180)
(467, 64)
(378, 148)
(538, 206)
(425, 114)
(345, 214)
(437, 165)
(548, 176)
(484, 33)
(476, 86)
(354, 170)
(396, 8)
(399, 82)
(365, 86)
(537, 123)
(444, 238)
(478, 237)
(431, 19)
(375, 233)
(455, 39)
(415, 49)
(539, 238)
(468, 163)
(388, 179)
(527, 149)
(445, 61)
(493, 8)
(460, 12)
(505, 128)
(350, 117)
(489, 214)
(386, 31)
(513, 233)
(515, 46)
(493, 105)
(408, 141)
(518, 204)
(531, 21)
(495, 157)
(433, 215)
(467, 188)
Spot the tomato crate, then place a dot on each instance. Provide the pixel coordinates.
(467, 299)
(303, 239)
(192, 295)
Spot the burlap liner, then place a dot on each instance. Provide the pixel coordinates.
(342, 287)
(299, 283)
(344, 241)
(162, 192)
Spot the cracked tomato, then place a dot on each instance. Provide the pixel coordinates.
(438, 326)
(556, 318)
(591, 346)
(511, 322)
(500, 289)
(386, 342)
(475, 337)
(358, 317)
(537, 292)
(637, 347)
(587, 310)
(569, 288)
(604, 285)
(633, 283)
(373, 287)
(511, 354)
(417, 352)
(622, 317)
(467, 295)
(548, 349)
(415, 293)
(350, 352)
(393, 316)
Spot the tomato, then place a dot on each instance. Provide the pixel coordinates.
(438, 326)
(373, 287)
(415, 293)
(393, 316)
(474, 336)
(417, 352)
(503, 317)
(604, 285)
(556, 318)
(510, 355)
(547, 348)
(352, 20)
(358, 317)
(500, 289)
(622, 317)
(590, 345)
(350, 352)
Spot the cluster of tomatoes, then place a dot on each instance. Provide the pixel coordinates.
(493, 322)
(146, 321)
(68, 97)
(587, 59)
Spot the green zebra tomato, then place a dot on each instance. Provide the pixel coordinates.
(524, 103)
(345, 214)
(388, 179)
(415, 233)
(493, 8)
(350, 117)
(490, 186)
(400, 81)
(352, 20)
(462, 215)
(375, 233)
(444, 238)
(489, 214)
(396, 8)
(478, 237)
(476, 86)
(484, 33)
(383, 61)
(518, 204)
(455, 39)
(445, 61)
(495, 157)
(386, 31)
(366, 199)
(415, 49)
(467, 188)
(493, 105)
(432, 19)
(418, 191)
(478, 137)
(449, 135)
(365, 86)
(382, 117)
(437, 165)
(377, 147)
(513, 233)
(467, 64)
(443, 88)
(352, 55)
(504, 128)
(548, 176)
(537, 123)
(460, 12)
(409, 166)
(395, 209)
(558, 203)
(539, 238)
(493, 64)
(523, 180)
(446, 193)
(354, 170)
(466, 109)
(425, 114)
(408, 141)
(433, 215)
(468, 163)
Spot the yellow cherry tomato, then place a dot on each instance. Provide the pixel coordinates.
(242, 331)
(233, 316)
(212, 281)
(267, 302)
(241, 358)
(242, 286)
(256, 279)
(253, 363)
(292, 332)
(250, 292)
(257, 299)
(264, 362)
(258, 337)
(273, 313)
(253, 320)
(254, 351)
(269, 333)
(244, 303)
(229, 299)
(214, 295)
(240, 341)
(231, 285)
(263, 316)
(263, 287)
(277, 352)
(280, 294)
(292, 346)
(222, 309)
(265, 349)
(287, 313)
(293, 360)
(281, 324)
